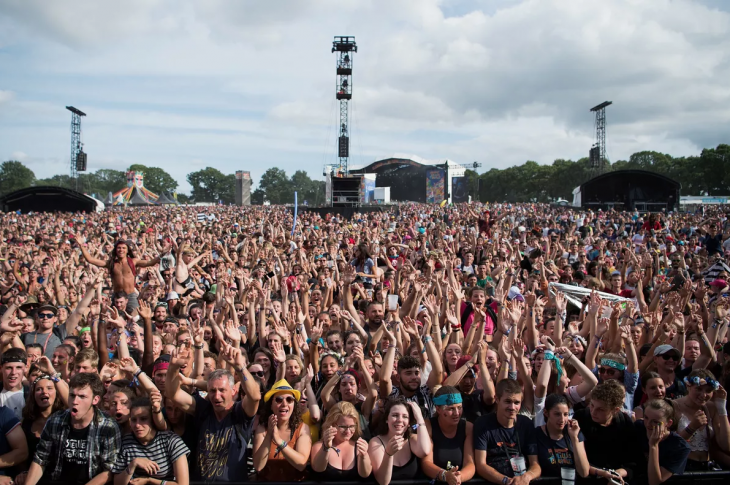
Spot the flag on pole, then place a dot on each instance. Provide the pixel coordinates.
(294, 226)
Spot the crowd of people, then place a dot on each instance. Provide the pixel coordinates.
(153, 346)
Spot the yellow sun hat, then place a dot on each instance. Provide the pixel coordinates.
(282, 387)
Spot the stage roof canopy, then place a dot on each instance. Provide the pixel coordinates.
(47, 199)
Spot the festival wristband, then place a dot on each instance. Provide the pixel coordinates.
(721, 407)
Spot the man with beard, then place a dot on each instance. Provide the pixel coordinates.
(122, 266)
(160, 314)
(78, 445)
(409, 375)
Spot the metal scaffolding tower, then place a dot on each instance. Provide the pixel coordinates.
(597, 155)
(76, 145)
(345, 47)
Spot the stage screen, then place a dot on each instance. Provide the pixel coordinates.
(459, 190)
(435, 182)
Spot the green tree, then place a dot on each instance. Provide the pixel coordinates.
(15, 176)
(61, 180)
(211, 185)
(311, 191)
(155, 179)
(277, 187)
(108, 180)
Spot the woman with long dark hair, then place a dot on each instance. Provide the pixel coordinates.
(282, 442)
(396, 449)
(47, 395)
(363, 264)
(560, 442)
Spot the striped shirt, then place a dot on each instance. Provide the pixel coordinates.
(164, 449)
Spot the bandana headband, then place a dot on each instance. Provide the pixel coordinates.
(8, 359)
(45, 376)
(550, 355)
(447, 399)
(613, 364)
(702, 381)
(160, 366)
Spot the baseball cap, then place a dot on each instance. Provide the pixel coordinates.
(719, 283)
(665, 349)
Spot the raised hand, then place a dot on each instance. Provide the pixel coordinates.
(232, 332)
(156, 401)
(329, 436)
(395, 444)
(699, 420)
(361, 447)
(144, 310)
(277, 350)
(44, 364)
(129, 365)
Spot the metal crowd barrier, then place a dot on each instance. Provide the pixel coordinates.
(702, 478)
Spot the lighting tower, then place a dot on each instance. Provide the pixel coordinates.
(77, 153)
(597, 154)
(345, 47)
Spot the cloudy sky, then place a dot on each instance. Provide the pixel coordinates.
(247, 85)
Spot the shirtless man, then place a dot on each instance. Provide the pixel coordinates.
(185, 257)
(122, 273)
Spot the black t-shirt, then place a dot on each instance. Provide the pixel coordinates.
(713, 244)
(502, 443)
(673, 450)
(75, 456)
(473, 405)
(613, 446)
(222, 445)
(675, 391)
(554, 454)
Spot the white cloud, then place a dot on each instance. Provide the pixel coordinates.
(247, 85)
(6, 96)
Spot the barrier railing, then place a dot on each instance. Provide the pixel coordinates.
(702, 478)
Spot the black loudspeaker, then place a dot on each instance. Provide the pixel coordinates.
(344, 147)
(81, 162)
(593, 156)
(345, 191)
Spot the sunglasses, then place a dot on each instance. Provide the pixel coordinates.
(258, 373)
(43, 316)
(607, 370)
(281, 399)
(672, 357)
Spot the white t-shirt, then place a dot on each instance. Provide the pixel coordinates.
(571, 394)
(13, 400)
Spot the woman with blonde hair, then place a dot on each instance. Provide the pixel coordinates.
(342, 455)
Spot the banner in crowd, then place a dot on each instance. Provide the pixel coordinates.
(435, 184)
(575, 294)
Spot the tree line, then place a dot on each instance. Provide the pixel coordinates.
(705, 174)
(208, 184)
